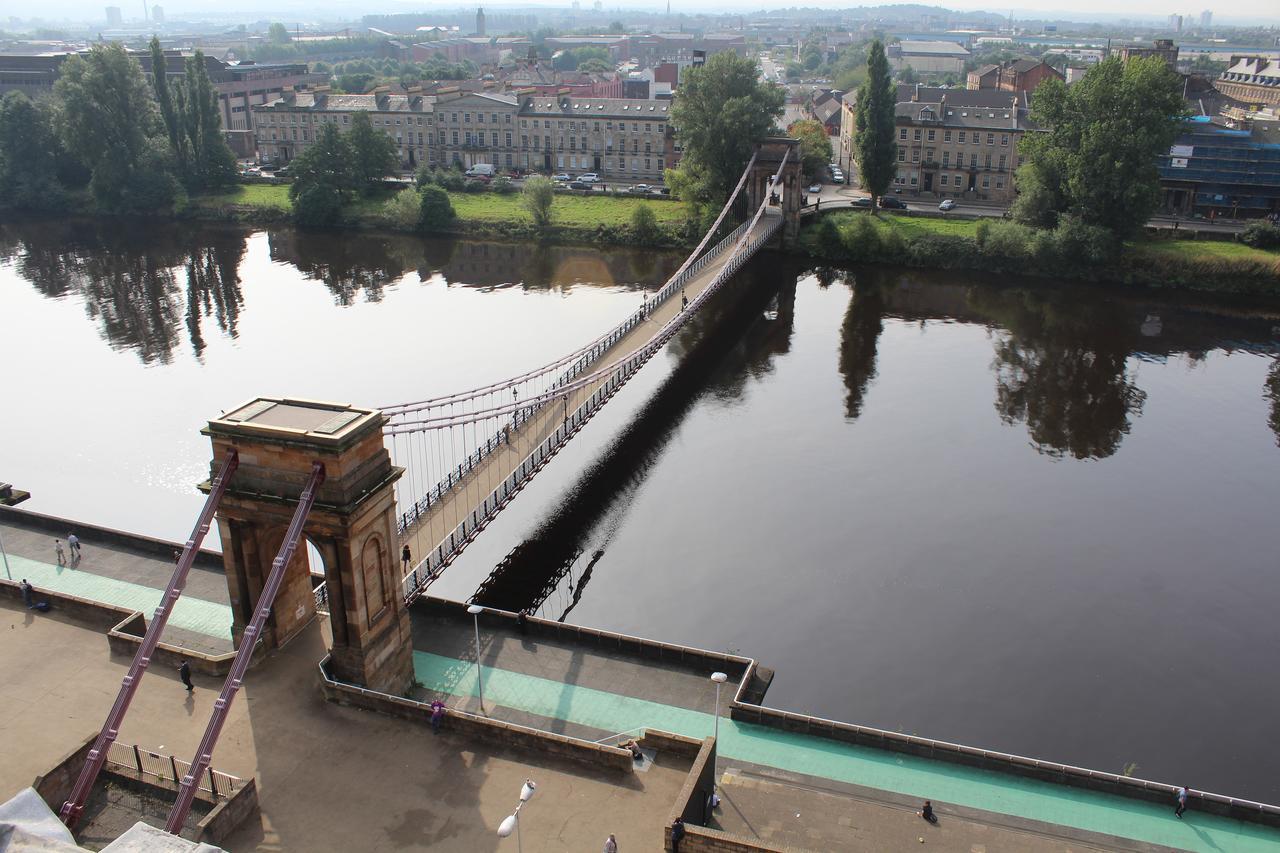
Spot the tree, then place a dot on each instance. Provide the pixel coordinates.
(435, 211)
(644, 225)
(1102, 137)
(107, 119)
(317, 206)
(356, 84)
(212, 162)
(908, 76)
(877, 150)
(327, 163)
(538, 198)
(277, 33)
(164, 99)
(373, 153)
(28, 155)
(721, 111)
(815, 145)
(595, 66)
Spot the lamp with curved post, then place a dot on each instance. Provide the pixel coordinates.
(511, 823)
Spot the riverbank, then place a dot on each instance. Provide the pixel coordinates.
(576, 218)
(1167, 259)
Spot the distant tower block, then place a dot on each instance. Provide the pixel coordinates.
(479, 22)
(353, 527)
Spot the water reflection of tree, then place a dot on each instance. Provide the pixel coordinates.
(1273, 394)
(1062, 369)
(859, 337)
(131, 278)
(348, 267)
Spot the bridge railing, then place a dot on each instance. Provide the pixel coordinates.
(417, 581)
(420, 507)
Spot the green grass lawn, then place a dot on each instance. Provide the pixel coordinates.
(912, 226)
(1193, 249)
(569, 210)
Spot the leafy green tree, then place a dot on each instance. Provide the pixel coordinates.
(644, 225)
(539, 196)
(815, 145)
(435, 211)
(373, 153)
(277, 33)
(403, 209)
(877, 150)
(168, 112)
(212, 162)
(1102, 137)
(722, 110)
(326, 163)
(595, 66)
(908, 76)
(318, 206)
(107, 119)
(28, 155)
(356, 84)
(1039, 197)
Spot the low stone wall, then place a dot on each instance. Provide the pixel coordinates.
(91, 533)
(94, 614)
(734, 666)
(54, 786)
(1046, 771)
(228, 815)
(489, 731)
(125, 638)
(685, 747)
(125, 629)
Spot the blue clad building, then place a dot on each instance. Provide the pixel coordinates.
(1213, 170)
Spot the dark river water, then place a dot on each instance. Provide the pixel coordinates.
(1025, 518)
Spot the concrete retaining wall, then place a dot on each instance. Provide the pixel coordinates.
(489, 731)
(1045, 771)
(54, 786)
(90, 533)
(94, 614)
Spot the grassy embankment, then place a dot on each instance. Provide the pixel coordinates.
(994, 245)
(574, 216)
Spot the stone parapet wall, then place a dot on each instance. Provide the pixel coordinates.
(94, 614)
(91, 533)
(1045, 771)
(493, 732)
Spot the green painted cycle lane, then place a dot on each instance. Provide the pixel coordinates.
(192, 614)
(874, 768)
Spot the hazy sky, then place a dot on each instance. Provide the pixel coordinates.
(1259, 11)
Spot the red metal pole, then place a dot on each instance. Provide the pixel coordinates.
(222, 707)
(72, 808)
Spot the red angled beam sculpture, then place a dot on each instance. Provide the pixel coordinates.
(74, 806)
(222, 707)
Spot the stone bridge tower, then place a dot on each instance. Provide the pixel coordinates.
(353, 526)
(769, 155)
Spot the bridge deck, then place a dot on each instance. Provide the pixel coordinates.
(442, 518)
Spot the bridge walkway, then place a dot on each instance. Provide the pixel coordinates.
(442, 519)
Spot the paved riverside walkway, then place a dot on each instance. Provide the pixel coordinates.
(583, 705)
(124, 577)
(432, 529)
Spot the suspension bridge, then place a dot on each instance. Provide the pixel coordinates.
(467, 455)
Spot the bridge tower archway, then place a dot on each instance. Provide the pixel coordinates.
(352, 526)
(789, 191)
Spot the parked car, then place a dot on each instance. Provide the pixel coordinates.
(580, 185)
(865, 201)
(482, 170)
(562, 178)
(947, 204)
(589, 178)
(640, 189)
(888, 202)
(814, 188)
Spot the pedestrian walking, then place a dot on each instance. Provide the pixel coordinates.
(26, 594)
(437, 716)
(184, 672)
(1182, 802)
(405, 557)
(611, 845)
(677, 833)
(684, 301)
(73, 542)
(57, 547)
(522, 621)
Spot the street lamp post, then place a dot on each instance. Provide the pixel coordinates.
(6, 559)
(475, 610)
(511, 823)
(719, 678)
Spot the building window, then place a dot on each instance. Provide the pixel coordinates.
(902, 133)
(1002, 159)
(915, 156)
(917, 135)
(931, 135)
(946, 158)
(455, 137)
(962, 135)
(466, 118)
(480, 118)
(495, 118)
(646, 164)
(508, 154)
(455, 118)
(902, 155)
(999, 183)
(913, 180)
(508, 122)
(942, 179)
(946, 136)
(1004, 139)
(508, 139)
(991, 139)
(986, 181)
